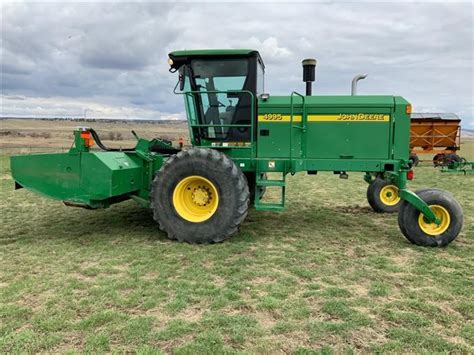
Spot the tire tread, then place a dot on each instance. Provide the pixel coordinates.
(214, 159)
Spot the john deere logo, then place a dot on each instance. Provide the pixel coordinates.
(341, 117)
(361, 117)
(350, 117)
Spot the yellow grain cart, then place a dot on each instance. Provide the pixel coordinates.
(435, 133)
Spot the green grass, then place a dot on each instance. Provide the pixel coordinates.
(327, 275)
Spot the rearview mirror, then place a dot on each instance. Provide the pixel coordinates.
(181, 77)
(181, 82)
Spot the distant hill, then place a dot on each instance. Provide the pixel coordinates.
(467, 133)
(96, 119)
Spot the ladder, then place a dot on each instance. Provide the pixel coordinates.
(262, 183)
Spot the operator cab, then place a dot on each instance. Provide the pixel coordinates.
(220, 89)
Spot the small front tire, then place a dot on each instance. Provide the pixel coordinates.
(382, 196)
(421, 232)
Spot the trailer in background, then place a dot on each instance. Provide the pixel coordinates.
(435, 133)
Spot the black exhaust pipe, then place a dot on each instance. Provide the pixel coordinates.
(309, 74)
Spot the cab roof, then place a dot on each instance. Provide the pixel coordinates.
(212, 52)
(185, 55)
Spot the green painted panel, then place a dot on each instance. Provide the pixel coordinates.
(53, 175)
(277, 143)
(359, 165)
(337, 127)
(107, 174)
(401, 132)
(329, 101)
(79, 177)
(353, 140)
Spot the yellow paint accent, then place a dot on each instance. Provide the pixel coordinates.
(342, 117)
(350, 117)
(277, 117)
(389, 195)
(195, 199)
(432, 229)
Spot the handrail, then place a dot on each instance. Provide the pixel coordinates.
(252, 112)
(220, 125)
(302, 127)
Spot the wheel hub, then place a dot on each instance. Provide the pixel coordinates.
(195, 199)
(431, 228)
(389, 195)
(201, 196)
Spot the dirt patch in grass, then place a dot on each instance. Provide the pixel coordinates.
(265, 319)
(191, 314)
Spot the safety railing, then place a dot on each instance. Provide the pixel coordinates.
(302, 127)
(194, 123)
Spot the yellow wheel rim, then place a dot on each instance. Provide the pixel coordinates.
(389, 195)
(195, 199)
(433, 229)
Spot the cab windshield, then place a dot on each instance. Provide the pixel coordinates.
(221, 101)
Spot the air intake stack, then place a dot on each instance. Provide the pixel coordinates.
(309, 74)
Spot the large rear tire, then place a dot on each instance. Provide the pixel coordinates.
(382, 196)
(199, 196)
(421, 232)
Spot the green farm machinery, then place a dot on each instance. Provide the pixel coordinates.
(245, 141)
(461, 166)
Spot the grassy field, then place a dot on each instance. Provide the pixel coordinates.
(326, 275)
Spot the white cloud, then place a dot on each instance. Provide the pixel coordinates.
(269, 48)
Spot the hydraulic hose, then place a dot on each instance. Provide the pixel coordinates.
(103, 147)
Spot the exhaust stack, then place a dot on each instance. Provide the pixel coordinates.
(355, 81)
(309, 74)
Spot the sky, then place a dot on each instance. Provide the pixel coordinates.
(109, 60)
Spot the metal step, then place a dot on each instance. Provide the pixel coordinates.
(270, 206)
(270, 183)
(275, 207)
